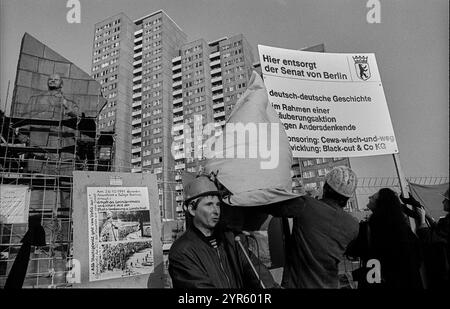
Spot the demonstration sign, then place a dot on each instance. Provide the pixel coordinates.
(120, 245)
(331, 105)
(14, 204)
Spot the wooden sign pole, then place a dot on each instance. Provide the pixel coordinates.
(401, 176)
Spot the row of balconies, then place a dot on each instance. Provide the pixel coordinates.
(136, 131)
(180, 166)
(178, 127)
(178, 100)
(216, 79)
(214, 63)
(136, 140)
(178, 110)
(136, 160)
(217, 88)
(177, 119)
(214, 55)
(179, 155)
(218, 105)
(219, 114)
(136, 149)
(217, 96)
(176, 67)
(178, 137)
(136, 169)
(215, 71)
(177, 92)
(177, 84)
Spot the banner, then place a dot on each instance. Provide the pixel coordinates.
(120, 238)
(431, 197)
(14, 204)
(332, 105)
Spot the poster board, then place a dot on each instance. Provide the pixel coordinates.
(14, 204)
(332, 105)
(117, 230)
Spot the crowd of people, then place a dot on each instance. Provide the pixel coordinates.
(207, 255)
(116, 256)
(115, 231)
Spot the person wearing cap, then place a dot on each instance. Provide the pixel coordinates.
(206, 256)
(435, 239)
(321, 232)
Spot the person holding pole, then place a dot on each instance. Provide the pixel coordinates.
(387, 238)
(435, 241)
(207, 256)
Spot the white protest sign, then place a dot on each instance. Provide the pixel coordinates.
(332, 105)
(120, 242)
(14, 204)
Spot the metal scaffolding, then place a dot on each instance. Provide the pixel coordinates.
(42, 154)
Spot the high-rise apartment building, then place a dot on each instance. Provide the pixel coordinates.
(133, 62)
(208, 79)
(112, 66)
(158, 85)
(155, 82)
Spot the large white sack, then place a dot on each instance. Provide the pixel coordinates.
(254, 181)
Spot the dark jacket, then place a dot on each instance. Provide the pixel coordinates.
(320, 234)
(195, 263)
(399, 257)
(436, 245)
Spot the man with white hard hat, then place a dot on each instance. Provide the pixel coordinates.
(321, 232)
(206, 256)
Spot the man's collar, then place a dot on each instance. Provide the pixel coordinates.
(214, 238)
(331, 202)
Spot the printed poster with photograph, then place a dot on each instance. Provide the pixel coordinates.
(120, 238)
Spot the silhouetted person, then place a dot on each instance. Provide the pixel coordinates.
(435, 240)
(35, 236)
(387, 237)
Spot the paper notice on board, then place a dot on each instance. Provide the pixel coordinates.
(332, 105)
(120, 239)
(14, 204)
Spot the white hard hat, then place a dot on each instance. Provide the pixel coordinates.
(197, 187)
(342, 180)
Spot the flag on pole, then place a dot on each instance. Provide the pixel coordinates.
(430, 196)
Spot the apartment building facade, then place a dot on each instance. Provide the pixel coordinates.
(208, 79)
(159, 86)
(136, 78)
(112, 66)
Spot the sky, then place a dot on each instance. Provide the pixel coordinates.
(410, 44)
